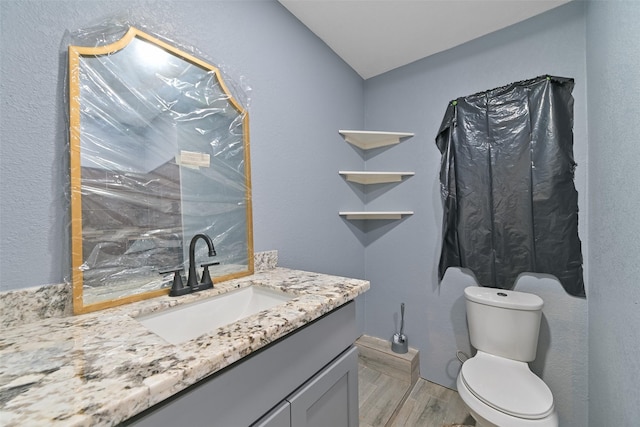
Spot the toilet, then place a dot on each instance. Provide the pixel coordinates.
(496, 384)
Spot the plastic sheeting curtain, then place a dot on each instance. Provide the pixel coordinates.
(510, 204)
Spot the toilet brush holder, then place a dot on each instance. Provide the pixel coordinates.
(399, 341)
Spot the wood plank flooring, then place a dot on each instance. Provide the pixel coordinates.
(389, 402)
(431, 405)
(380, 396)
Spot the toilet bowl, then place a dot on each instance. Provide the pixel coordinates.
(505, 393)
(496, 384)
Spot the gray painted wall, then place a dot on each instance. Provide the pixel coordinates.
(613, 68)
(301, 94)
(401, 257)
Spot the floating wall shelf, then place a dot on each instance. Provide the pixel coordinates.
(367, 140)
(362, 177)
(371, 139)
(376, 214)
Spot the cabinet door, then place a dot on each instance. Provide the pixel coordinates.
(278, 417)
(330, 398)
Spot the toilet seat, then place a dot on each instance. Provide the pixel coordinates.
(508, 386)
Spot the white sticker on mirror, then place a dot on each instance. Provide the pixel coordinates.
(191, 158)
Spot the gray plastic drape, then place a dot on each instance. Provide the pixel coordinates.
(510, 204)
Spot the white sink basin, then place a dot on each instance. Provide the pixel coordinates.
(189, 321)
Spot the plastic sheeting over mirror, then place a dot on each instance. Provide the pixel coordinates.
(507, 169)
(159, 153)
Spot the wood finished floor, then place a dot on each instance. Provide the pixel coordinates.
(426, 405)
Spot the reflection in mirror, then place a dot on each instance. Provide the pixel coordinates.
(159, 153)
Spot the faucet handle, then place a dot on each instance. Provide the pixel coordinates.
(206, 282)
(177, 287)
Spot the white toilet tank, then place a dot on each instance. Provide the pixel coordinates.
(504, 323)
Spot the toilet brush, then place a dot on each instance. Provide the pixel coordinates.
(399, 342)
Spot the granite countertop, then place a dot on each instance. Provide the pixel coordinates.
(104, 367)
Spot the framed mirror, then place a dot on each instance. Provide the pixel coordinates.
(159, 152)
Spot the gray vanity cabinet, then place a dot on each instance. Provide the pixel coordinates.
(278, 417)
(330, 398)
(308, 378)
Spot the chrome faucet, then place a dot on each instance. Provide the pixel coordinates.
(192, 280)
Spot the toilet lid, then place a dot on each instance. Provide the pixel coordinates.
(508, 386)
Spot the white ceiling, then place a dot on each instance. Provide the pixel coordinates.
(375, 36)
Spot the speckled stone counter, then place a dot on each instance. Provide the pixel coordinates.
(104, 367)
